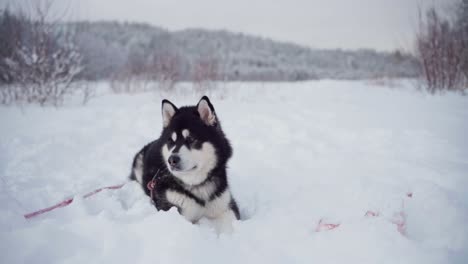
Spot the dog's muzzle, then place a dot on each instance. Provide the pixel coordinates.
(174, 162)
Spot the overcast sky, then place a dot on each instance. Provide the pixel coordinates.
(347, 24)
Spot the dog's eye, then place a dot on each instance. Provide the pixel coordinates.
(189, 140)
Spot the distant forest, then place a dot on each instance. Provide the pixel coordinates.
(110, 49)
(37, 51)
(43, 59)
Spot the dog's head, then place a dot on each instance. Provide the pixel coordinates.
(193, 144)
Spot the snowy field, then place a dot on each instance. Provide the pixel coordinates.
(303, 152)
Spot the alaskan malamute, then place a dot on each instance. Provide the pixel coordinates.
(188, 164)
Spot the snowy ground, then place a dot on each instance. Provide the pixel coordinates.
(302, 152)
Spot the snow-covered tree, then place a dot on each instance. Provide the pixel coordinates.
(42, 63)
(45, 70)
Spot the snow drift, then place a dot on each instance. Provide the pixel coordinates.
(303, 152)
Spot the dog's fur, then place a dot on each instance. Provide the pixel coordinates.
(194, 180)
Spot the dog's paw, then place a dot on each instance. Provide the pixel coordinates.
(159, 197)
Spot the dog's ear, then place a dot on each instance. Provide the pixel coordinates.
(168, 110)
(206, 111)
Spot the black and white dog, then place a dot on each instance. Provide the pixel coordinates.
(188, 164)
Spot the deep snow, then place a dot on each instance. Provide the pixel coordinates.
(302, 152)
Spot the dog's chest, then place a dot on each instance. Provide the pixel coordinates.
(204, 192)
(213, 207)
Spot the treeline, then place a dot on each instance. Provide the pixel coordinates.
(111, 49)
(43, 59)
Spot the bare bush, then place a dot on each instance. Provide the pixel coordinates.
(44, 74)
(165, 70)
(205, 74)
(158, 70)
(126, 82)
(439, 48)
(392, 83)
(43, 61)
(88, 91)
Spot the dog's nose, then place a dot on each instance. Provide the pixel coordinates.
(174, 160)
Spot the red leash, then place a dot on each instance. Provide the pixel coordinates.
(151, 184)
(398, 219)
(70, 200)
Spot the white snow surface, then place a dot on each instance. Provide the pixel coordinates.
(304, 151)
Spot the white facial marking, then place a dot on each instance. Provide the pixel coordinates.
(174, 136)
(195, 163)
(166, 152)
(185, 133)
(138, 168)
